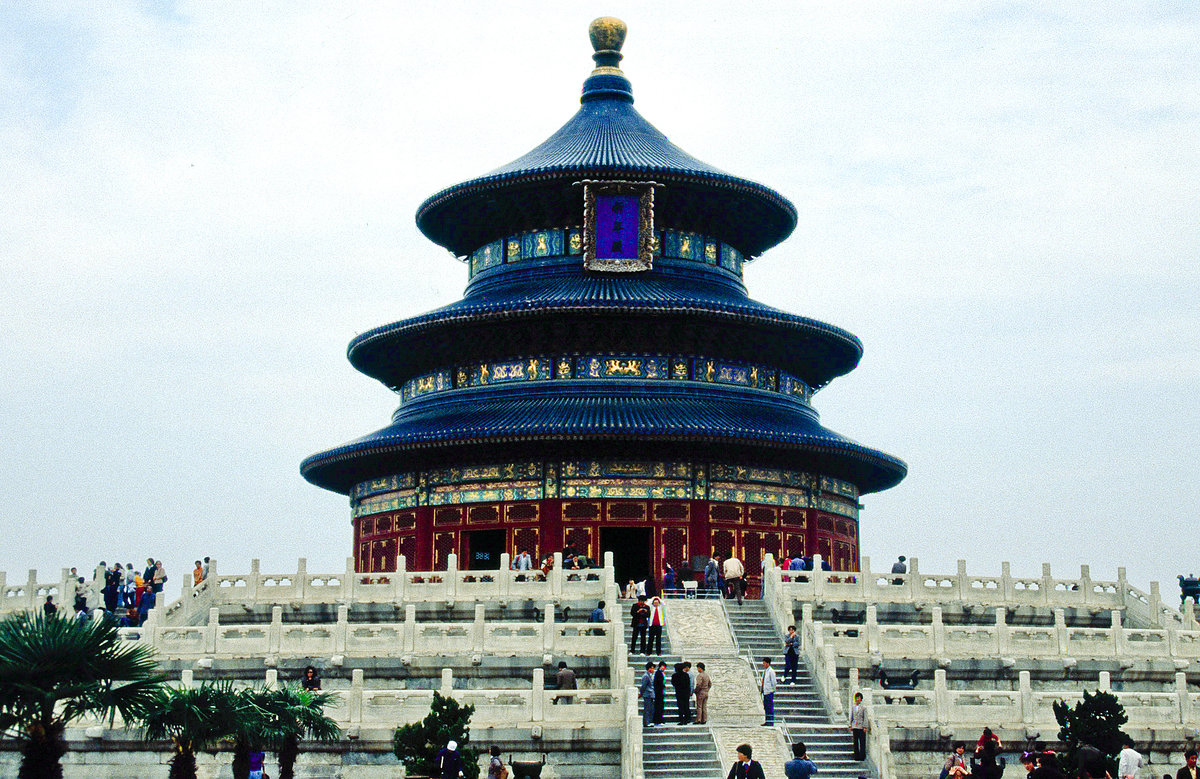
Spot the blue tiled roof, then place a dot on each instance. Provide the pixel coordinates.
(607, 138)
(611, 411)
(597, 293)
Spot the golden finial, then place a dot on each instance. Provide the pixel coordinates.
(608, 35)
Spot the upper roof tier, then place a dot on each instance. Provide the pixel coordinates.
(607, 139)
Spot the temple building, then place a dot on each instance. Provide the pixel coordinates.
(605, 383)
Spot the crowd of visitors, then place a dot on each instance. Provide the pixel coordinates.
(688, 684)
(127, 595)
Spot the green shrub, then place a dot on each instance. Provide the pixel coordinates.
(417, 743)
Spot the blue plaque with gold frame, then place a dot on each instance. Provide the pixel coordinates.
(618, 226)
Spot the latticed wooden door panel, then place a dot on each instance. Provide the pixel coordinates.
(444, 545)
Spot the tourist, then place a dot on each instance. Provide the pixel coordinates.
(566, 681)
(859, 725)
(1128, 761)
(646, 691)
(146, 604)
(160, 576)
(669, 583)
(130, 586)
(311, 680)
(256, 765)
(987, 764)
(711, 569)
(703, 686)
(197, 574)
(148, 574)
(81, 615)
(735, 578)
(639, 618)
(130, 618)
(799, 767)
(660, 692)
(767, 687)
(1048, 768)
(687, 666)
(745, 767)
(48, 608)
(791, 654)
(640, 589)
(657, 621)
(112, 587)
(797, 564)
(597, 614)
(523, 562)
(682, 682)
(984, 738)
(899, 567)
(496, 769)
(449, 763)
(204, 570)
(956, 764)
(1028, 761)
(81, 593)
(139, 587)
(1189, 769)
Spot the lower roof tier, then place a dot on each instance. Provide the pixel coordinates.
(589, 418)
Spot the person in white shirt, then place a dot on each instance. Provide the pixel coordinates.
(735, 578)
(768, 686)
(657, 620)
(1128, 761)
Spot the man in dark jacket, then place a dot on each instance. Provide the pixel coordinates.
(1189, 771)
(660, 693)
(681, 680)
(449, 763)
(639, 618)
(745, 768)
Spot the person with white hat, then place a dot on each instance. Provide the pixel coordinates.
(449, 762)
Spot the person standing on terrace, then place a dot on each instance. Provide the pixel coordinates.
(197, 574)
(1189, 769)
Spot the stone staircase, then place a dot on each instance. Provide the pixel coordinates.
(798, 707)
(674, 752)
(670, 750)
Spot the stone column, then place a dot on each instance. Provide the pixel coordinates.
(960, 580)
(504, 576)
(477, 629)
(818, 577)
(451, 577)
(1085, 584)
(410, 627)
(272, 678)
(1184, 698)
(1118, 634)
(1105, 682)
(1060, 629)
(1047, 585)
(548, 630)
(556, 576)
(1156, 620)
(350, 582)
(341, 630)
(872, 628)
(302, 579)
(537, 695)
(1007, 590)
(187, 679)
(251, 580)
(211, 631)
(608, 577)
(354, 700)
(275, 631)
(400, 580)
(1028, 715)
(941, 696)
(939, 635)
(447, 686)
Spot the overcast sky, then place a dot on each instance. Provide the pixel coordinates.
(201, 204)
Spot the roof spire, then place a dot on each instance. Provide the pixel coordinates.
(608, 36)
(607, 81)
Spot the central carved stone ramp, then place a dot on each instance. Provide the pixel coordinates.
(674, 751)
(798, 707)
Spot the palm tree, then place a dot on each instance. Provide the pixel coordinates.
(195, 718)
(54, 670)
(291, 714)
